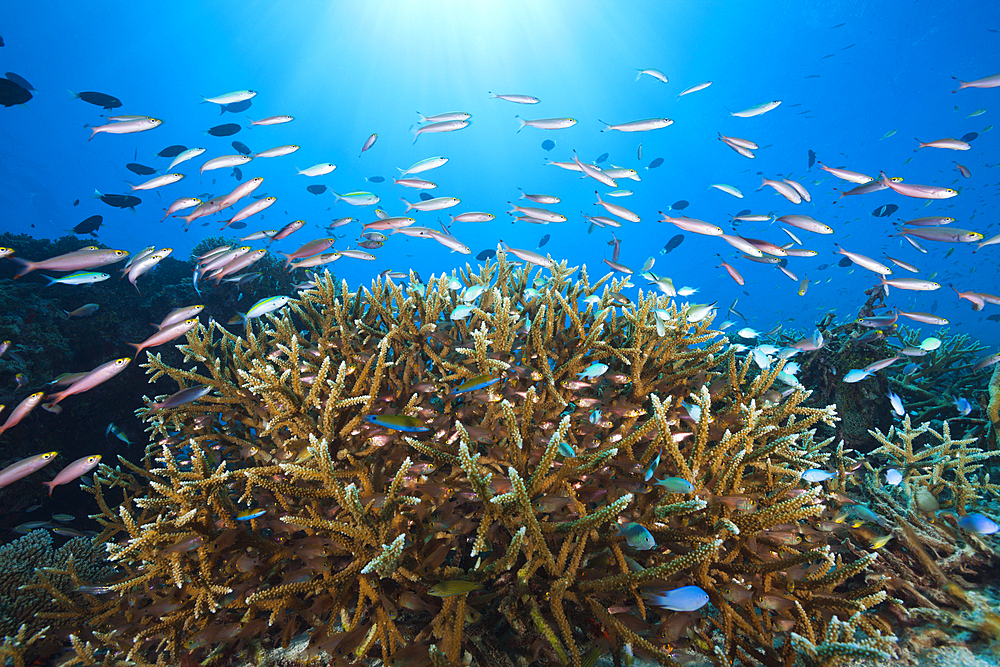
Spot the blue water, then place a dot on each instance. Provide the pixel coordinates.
(346, 70)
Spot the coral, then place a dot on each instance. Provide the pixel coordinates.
(488, 520)
(36, 580)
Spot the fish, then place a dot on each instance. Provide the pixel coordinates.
(963, 406)
(486, 254)
(166, 334)
(885, 210)
(978, 523)
(445, 126)
(21, 81)
(233, 98)
(402, 423)
(358, 198)
(369, 142)
(140, 169)
(728, 189)
(685, 598)
(638, 126)
(25, 467)
(637, 536)
(249, 515)
(224, 130)
(118, 201)
(647, 473)
(548, 145)
(675, 241)
(477, 383)
(182, 397)
(545, 123)
(172, 151)
(756, 110)
(118, 433)
(12, 93)
(655, 73)
(594, 370)
(675, 484)
(126, 127)
(655, 163)
(316, 189)
(972, 136)
(857, 375)
(893, 477)
(694, 89)
(986, 82)
(447, 589)
(818, 475)
(544, 240)
(90, 225)
(812, 158)
(75, 469)
(83, 311)
(102, 100)
(917, 191)
(22, 410)
(235, 107)
(271, 120)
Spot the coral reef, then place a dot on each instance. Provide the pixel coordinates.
(403, 483)
(37, 579)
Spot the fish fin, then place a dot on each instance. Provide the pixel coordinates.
(25, 266)
(251, 122)
(52, 407)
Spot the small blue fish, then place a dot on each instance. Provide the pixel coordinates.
(651, 467)
(595, 370)
(856, 375)
(595, 417)
(118, 433)
(978, 523)
(675, 485)
(637, 536)
(685, 598)
(893, 477)
(398, 423)
(962, 405)
(566, 450)
(897, 403)
(817, 475)
(250, 514)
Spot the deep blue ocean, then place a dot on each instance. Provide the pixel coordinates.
(847, 74)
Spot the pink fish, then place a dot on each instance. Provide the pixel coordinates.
(72, 261)
(308, 250)
(74, 470)
(249, 210)
(166, 335)
(101, 374)
(25, 467)
(986, 82)
(917, 191)
(288, 230)
(22, 410)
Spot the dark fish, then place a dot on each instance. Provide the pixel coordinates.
(1, 40)
(376, 179)
(545, 239)
(839, 25)
(20, 80)
(486, 254)
(425, 196)
(316, 189)
(140, 169)
(99, 99)
(847, 47)
(829, 55)
(604, 156)
(971, 136)
(11, 93)
(90, 225)
(783, 263)
(812, 76)
(235, 107)
(548, 144)
(238, 225)
(884, 210)
(823, 267)
(680, 205)
(745, 211)
(672, 243)
(76, 203)
(846, 261)
(994, 318)
(812, 159)
(241, 148)
(655, 163)
(120, 201)
(224, 130)
(172, 151)
(237, 173)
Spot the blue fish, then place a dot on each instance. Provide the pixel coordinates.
(566, 450)
(675, 484)
(897, 403)
(250, 514)
(978, 523)
(398, 423)
(651, 467)
(475, 384)
(685, 598)
(893, 477)
(963, 406)
(637, 536)
(817, 475)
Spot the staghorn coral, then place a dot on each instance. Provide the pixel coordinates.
(496, 531)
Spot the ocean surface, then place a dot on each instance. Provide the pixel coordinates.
(847, 74)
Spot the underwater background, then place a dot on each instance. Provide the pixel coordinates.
(861, 85)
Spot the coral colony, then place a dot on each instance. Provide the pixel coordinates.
(476, 471)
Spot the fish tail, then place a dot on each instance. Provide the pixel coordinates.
(520, 120)
(26, 266)
(51, 486)
(51, 280)
(251, 122)
(409, 206)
